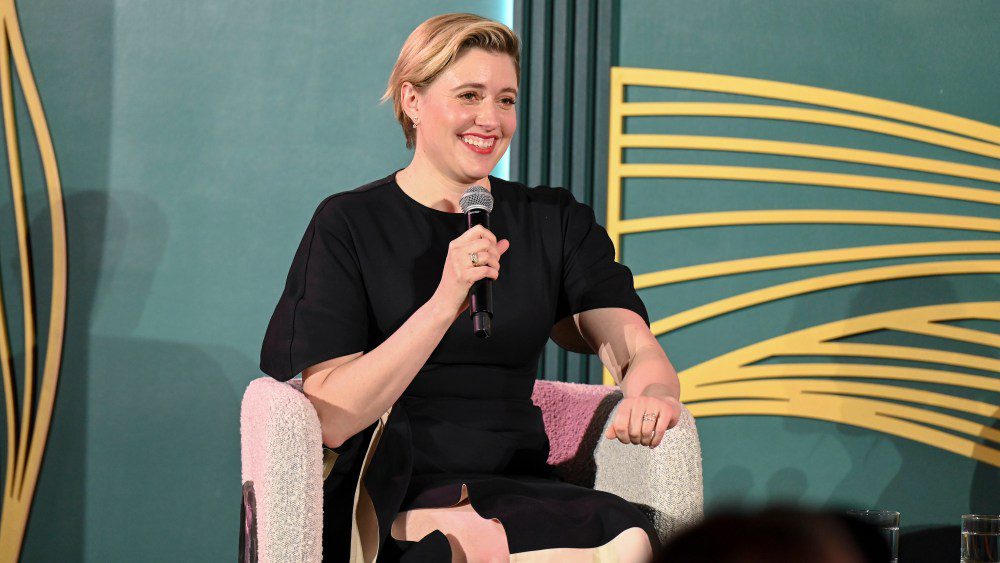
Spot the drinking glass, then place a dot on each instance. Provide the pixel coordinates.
(981, 538)
(887, 521)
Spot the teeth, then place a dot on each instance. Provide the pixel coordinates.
(477, 142)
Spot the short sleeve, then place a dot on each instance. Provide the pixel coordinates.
(591, 278)
(323, 311)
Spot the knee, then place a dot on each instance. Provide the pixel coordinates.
(486, 543)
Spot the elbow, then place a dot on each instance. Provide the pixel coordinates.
(332, 429)
(332, 439)
(330, 425)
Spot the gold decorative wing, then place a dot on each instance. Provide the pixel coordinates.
(869, 395)
(26, 436)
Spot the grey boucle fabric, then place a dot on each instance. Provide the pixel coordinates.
(666, 481)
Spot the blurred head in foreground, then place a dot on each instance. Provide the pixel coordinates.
(776, 535)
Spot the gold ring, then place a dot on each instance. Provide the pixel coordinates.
(474, 256)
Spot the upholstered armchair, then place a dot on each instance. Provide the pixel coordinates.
(282, 457)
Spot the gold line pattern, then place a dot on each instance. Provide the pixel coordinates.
(721, 385)
(863, 392)
(805, 150)
(26, 438)
(815, 116)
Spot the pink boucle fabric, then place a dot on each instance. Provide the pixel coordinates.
(568, 411)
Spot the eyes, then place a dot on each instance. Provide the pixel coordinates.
(470, 96)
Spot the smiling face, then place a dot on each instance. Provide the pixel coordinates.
(466, 116)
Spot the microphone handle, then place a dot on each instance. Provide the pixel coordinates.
(481, 293)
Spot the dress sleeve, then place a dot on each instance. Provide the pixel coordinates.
(591, 279)
(323, 311)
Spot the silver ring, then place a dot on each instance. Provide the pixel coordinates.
(649, 416)
(474, 256)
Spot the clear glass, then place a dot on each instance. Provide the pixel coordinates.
(887, 521)
(980, 538)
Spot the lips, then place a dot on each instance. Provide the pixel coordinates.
(479, 143)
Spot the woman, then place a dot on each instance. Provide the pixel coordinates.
(440, 451)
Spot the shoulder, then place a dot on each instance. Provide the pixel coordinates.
(541, 195)
(340, 208)
(557, 204)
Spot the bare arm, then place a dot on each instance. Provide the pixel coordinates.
(351, 392)
(649, 383)
(629, 350)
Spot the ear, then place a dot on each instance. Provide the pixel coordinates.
(410, 100)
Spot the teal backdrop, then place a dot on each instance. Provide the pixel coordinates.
(194, 140)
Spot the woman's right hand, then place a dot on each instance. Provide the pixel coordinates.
(459, 273)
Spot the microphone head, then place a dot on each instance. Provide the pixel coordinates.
(476, 197)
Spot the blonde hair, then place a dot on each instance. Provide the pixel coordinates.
(434, 45)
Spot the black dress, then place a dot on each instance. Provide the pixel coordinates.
(369, 259)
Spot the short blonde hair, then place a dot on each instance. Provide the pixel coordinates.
(437, 43)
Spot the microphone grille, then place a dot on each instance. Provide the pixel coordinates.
(476, 197)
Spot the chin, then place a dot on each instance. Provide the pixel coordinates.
(479, 172)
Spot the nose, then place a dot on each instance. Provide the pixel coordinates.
(488, 117)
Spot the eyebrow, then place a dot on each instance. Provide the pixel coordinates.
(481, 87)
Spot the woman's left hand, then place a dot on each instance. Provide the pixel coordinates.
(629, 426)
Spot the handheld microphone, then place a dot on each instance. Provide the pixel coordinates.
(477, 203)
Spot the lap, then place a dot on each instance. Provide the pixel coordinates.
(470, 536)
(473, 538)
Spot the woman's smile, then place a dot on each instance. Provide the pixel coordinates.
(479, 143)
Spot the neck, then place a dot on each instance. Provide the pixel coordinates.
(427, 184)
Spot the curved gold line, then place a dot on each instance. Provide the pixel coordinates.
(697, 378)
(24, 253)
(893, 352)
(988, 310)
(57, 317)
(757, 87)
(17, 506)
(805, 115)
(808, 216)
(808, 150)
(812, 258)
(953, 332)
(861, 415)
(808, 178)
(730, 364)
(819, 283)
(787, 388)
(6, 358)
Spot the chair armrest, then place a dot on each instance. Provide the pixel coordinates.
(666, 482)
(282, 456)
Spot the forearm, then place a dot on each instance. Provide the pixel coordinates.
(352, 396)
(649, 373)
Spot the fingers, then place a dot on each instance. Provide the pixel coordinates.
(648, 425)
(630, 428)
(481, 233)
(662, 424)
(635, 425)
(667, 420)
(477, 232)
(619, 428)
(460, 273)
(488, 255)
